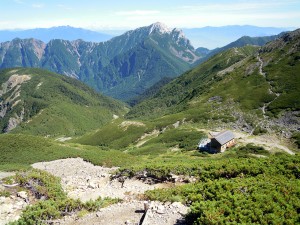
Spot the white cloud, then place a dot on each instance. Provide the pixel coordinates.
(137, 13)
(237, 6)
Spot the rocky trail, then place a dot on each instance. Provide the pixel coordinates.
(131, 213)
(85, 181)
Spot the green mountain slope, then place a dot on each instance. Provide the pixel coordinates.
(205, 54)
(249, 88)
(39, 102)
(141, 67)
(122, 67)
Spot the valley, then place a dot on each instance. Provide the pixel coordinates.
(79, 156)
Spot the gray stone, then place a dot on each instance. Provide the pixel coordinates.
(7, 208)
(22, 194)
(2, 199)
(161, 209)
(18, 205)
(92, 185)
(176, 204)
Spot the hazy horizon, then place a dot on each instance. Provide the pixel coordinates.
(124, 30)
(209, 37)
(121, 15)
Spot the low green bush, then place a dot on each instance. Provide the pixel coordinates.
(259, 130)
(251, 148)
(296, 137)
(240, 191)
(4, 193)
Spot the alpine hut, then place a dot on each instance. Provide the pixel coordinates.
(221, 141)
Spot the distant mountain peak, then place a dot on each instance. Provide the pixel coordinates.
(159, 27)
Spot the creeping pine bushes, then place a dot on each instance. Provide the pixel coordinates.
(53, 202)
(241, 191)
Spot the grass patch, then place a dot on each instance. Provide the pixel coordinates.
(114, 135)
(185, 139)
(253, 149)
(20, 151)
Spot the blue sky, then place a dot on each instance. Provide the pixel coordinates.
(128, 14)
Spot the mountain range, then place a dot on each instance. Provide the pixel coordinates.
(123, 67)
(62, 32)
(208, 37)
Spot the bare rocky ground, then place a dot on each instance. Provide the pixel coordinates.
(11, 206)
(85, 181)
(269, 142)
(132, 213)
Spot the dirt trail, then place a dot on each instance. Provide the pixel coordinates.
(261, 66)
(146, 137)
(261, 63)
